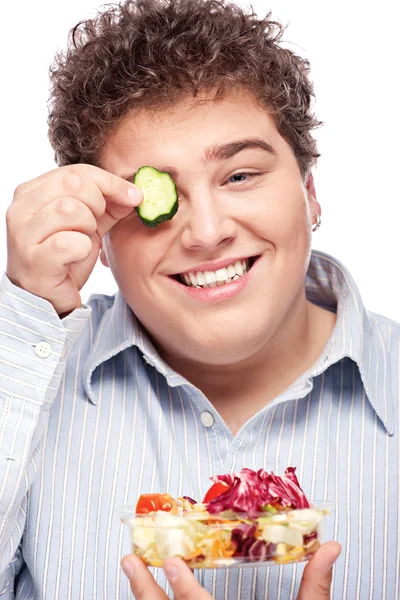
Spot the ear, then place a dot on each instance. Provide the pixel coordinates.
(315, 206)
(103, 257)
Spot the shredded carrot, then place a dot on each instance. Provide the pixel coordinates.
(194, 554)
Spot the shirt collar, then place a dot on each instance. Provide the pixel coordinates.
(119, 329)
(356, 336)
(328, 284)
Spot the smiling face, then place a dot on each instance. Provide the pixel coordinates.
(242, 232)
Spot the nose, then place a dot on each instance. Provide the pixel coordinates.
(209, 225)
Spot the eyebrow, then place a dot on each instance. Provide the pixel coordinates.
(225, 151)
(220, 152)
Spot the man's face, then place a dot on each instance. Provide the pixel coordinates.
(244, 216)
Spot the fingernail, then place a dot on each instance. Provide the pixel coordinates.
(134, 193)
(128, 569)
(171, 572)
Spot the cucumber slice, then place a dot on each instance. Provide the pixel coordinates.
(160, 198)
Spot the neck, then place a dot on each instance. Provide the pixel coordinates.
(240, 390)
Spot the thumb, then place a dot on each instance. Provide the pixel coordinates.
(317, 576)
(183, 582)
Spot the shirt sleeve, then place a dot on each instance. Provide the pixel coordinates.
(34, 345)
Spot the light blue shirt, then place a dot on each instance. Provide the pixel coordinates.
(91, 417)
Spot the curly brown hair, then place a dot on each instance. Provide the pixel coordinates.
(150, 53)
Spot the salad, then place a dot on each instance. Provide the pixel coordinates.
(245, 518)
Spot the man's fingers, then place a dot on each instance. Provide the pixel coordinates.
(315, 584)
(63, 214)
(109, 197)
(183, 582)
(63, 194)
(317, 576)
(141, 580)
(69, 179)
(113, 213)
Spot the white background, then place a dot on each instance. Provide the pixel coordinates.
(354, 54)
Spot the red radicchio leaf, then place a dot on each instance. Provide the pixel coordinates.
(241, 534)
(247, 545)
(309, 537)
(250, 490)
(261, 550)
(189, 499)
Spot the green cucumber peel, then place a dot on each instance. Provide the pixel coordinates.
(160, 197)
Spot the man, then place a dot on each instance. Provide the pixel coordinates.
(176, 379)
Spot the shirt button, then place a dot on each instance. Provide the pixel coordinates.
(43, 349)
(207, 419)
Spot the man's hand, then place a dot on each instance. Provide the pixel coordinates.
(317, 576)
(315, 584)
(54, 229)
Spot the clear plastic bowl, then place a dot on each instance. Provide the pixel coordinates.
(227, 539)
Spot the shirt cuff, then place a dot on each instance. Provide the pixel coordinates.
(34, 343)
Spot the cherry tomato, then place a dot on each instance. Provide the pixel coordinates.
(150, 502)
(216, 490)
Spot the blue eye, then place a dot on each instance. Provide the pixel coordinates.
(238, 177)
(242, 177)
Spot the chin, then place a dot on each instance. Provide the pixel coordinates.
(224, 349)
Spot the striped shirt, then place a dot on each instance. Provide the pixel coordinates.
(91, 417)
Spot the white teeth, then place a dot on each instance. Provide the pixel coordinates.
(210, 276)
(200, 278)
(231, 271)
(222, 274)
(206, 279)
(238, 268)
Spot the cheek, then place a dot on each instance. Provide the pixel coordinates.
(136, 253)
(124, 250)
(132, 277)
(280, 218)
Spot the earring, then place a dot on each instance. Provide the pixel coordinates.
(317, 223)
